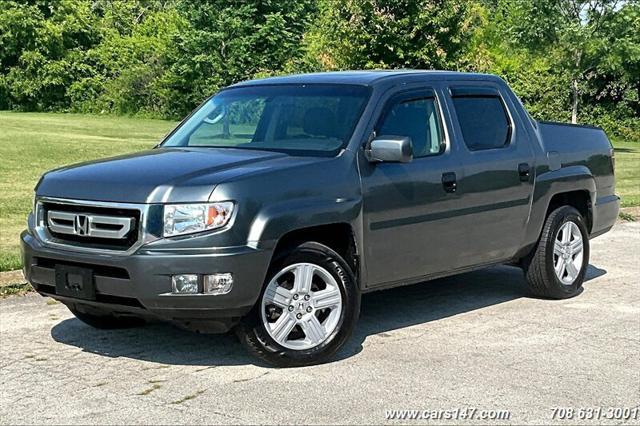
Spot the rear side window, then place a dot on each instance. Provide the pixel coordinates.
(483, 120)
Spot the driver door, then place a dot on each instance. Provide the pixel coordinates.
(406, 205)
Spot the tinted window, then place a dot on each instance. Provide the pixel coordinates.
(417, 119)
(297, 119)
(483, 121)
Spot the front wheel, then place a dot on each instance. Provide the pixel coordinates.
(557, 267)
(307, 309)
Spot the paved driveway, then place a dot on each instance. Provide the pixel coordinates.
(476, 340)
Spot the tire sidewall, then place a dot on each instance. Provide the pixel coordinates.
(326, 258)
(567, 214)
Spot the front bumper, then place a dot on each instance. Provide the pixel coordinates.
(140, 284)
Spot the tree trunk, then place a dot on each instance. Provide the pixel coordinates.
(575, 88)
(574, 106)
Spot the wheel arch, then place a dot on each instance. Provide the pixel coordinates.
(332, 222)
(579, 199)
(574, 186)
(340, 237)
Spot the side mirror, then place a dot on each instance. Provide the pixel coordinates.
(396, 149)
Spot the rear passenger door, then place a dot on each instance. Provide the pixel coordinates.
(497, 166)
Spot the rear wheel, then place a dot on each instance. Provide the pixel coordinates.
(107, 322)
(557, 267)
(306, 311)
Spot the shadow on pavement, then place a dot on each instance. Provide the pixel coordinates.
(593, 272)
(381, 312)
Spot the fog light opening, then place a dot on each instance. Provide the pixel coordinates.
(184, 284)
(217, 283)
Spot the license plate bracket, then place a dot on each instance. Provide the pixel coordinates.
(76, 282)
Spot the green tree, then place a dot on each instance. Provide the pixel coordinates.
(358, 34)
(615, 77)
(41, 48)
(228, 41)
(500, 47)
(131, 64)
(573, 30)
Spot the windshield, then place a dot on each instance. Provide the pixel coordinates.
(296, 119)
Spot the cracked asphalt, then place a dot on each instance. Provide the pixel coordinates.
(475, 340)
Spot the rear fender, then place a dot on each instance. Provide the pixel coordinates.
(551, 183)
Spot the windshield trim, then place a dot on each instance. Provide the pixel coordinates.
(294, 152)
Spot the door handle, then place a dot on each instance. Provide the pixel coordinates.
(524, 170)
(449, 182)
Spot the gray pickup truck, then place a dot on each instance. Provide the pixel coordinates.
(278, 202)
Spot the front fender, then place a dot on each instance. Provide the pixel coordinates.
(276, 220)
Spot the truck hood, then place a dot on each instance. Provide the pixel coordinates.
(158, 176)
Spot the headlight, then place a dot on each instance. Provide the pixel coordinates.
(182, 219)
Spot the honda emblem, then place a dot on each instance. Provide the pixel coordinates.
(81, 224)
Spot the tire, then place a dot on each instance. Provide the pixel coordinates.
(299, 341)
(540, 267)
(107, 322)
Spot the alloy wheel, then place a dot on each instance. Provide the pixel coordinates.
(301, 306)
(568, 253)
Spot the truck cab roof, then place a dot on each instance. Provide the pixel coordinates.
(367, 78)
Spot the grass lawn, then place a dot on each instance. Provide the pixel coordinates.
(628, 172)
(32, 143)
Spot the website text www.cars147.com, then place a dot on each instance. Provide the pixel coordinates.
(467, 413)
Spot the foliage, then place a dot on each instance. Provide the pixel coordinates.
(41, 44)
(228, 41)
(131, 67)
(567, 59)
(364, 34)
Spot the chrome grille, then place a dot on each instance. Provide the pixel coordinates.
(117, 228)
(89, 225)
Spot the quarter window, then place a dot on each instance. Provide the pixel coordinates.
(483, 121)
(417, 119)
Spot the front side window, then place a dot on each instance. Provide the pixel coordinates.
(417, 119)
(297, 119)
(483, 121)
